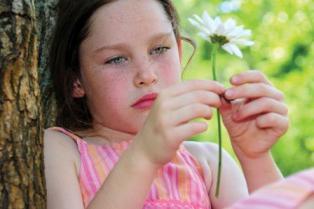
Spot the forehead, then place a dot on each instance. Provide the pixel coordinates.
(128, 19)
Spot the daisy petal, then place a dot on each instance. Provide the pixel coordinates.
(232, 49)
(209, 22)
(198, 25)
(243, 42)
(199, 19)
(194, 23)
(217, 22)
(221, 30)
(230, 24)
(225, 33)
(204, 36)
(227, 48)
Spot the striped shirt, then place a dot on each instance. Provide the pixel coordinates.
(285, 194)
(179, 184)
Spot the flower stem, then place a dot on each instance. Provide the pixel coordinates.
(219, 155)
(213, 61)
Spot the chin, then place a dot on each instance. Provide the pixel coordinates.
(135, 127)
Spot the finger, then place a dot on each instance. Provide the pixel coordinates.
(251, 76)
(273, 120)
(260, 106)
(187, 130)
(193, 85)
(199, 96)
(191, 112)
(253, 90)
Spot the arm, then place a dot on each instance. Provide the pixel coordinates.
(233, 186)
(128, 183)
(255, 119)
(259, 171)
(125, 187)
(61, 166)
(166, 127)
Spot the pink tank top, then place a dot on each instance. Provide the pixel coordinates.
(179, 184)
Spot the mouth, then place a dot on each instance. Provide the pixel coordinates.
(145, 102)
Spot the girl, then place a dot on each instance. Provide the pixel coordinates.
(126, 116)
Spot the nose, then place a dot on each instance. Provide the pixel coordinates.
(145, 75)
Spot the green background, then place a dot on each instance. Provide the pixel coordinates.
(283, 32)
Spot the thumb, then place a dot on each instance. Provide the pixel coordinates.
(226, 105)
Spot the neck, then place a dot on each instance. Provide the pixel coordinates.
(105, 133)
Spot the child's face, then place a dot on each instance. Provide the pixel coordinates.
(131, 51)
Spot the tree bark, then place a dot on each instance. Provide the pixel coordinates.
(46, 15)
(25, 29)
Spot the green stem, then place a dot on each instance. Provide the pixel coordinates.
(213, 61)
(219, 155)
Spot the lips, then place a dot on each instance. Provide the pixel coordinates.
(145, 101)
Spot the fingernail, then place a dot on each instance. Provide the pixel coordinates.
(235, 79)
(229, 93)
(226, 100)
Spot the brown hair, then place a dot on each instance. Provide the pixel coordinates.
(72, 28)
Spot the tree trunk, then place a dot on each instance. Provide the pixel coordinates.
(25, 29)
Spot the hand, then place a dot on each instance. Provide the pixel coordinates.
(169, 121)
(259, 120)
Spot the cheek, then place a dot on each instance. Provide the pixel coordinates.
(107, 90)
(170, 71)
(114, 90)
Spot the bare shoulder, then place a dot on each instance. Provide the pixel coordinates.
(61, 159)
(202, 150)
(233, 187)
(207, 151)
(58, 146)
(204, 153)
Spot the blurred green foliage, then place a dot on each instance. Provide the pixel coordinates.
(283, 32)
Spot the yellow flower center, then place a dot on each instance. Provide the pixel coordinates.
(221, 40)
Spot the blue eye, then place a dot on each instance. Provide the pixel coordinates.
(116, 60)
(160, 50)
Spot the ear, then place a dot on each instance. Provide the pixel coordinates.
(179, 41)
(78, 90)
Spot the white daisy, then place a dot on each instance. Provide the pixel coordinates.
(227, 34)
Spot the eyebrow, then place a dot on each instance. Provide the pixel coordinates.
(123, 45)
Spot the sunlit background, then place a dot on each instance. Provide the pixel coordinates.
(283, 31)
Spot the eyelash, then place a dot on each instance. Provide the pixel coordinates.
(157, 51)
(163, 49)
(115, 60)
